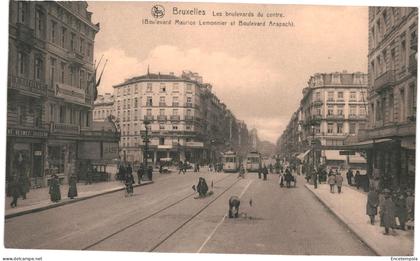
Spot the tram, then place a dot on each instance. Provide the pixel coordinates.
(230, 162)
(253, 161)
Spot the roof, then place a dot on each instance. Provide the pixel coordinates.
(154, 77)
(103, 125)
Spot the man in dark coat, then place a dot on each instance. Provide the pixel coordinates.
(202, 187)
(129, 181)
(23, 184)
(234, 203)
(401, 210)
(265, 172)
(288, 177)
(181, 166)
(349, 176)
(54, 191)
(140, 172)
(150, 173)
(121, 173)
(388, 212)
(357, 179)
(14, 191)
(259, 171)
(72, 187)
(372, 205)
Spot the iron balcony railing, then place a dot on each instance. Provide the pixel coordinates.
(385, 80)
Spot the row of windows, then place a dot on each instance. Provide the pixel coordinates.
(126, 103)
(134, 141)
(64, 114)
(127, 90)
(340, 95)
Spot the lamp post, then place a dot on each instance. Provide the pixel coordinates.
(314, 174)
(146, 141)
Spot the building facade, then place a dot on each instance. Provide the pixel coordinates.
(332, 110)
(390, 135)
(103, 107)
(51, 87)
(185, 120)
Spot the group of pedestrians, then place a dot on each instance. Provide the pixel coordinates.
(287, 177)
(335, 179)
(392, 206)
(262, 170)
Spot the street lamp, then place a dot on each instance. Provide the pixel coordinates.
(313, 155)
(146, 141)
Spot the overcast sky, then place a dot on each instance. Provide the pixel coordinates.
(259, 72)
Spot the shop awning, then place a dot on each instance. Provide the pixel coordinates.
(302, 155)
(357, 159)
(334, 155)
(365, 144)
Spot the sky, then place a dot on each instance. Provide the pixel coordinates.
(258, 72)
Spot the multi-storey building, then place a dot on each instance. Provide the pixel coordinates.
(51, 86)
(333, 109)
(390, 137)
(185, 120)
(103, 107)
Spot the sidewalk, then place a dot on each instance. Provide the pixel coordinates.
(350, 208)
(39, 199)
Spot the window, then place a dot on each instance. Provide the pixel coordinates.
(175, 101)
(72, 43)
(175, 112)
(149, 112)
(352, 110)
(63, 71)
(340, 109)
(403, 53)
(161, 141)
(330, 96)
(128, 104)
(188, 127)
(22, 10)
(162, 87)
(62, 114)
(362, 96)
(189, 87)
(52, 71)
(188, 112)
(135, 102)
(53, 31)
(175, 87)
(38, 68)
(81, 46)
(330, 127)
(340, 95)
(189, 100)
(174, 127)
(149, 87)
(89, 50)
(162, 112)
(22, 63)
(162, 101)
(330, 110)
(317, 96)
(339, 128)
(39, 17)
(63, 37)
(81, 79)
(161, 127)
(352, 96)
(149, 101)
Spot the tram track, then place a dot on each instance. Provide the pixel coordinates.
(157, 212)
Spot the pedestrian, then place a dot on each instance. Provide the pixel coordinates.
(14, 190)
(140, 173)
(339, 182)
(357, 179)
(129, 169)
(150, 173)
(210, 167)
(315, 178)
(234, 203)
(288, 177)
(401, 210)
(388, 212)
(349, 176)
(129, 181)
(202, 187)
(409, 203)
(259, 171)
(72, 193)
(180, 166)
(265, 172)
(184, 169)
(372, 205)
(271, 168)
(331, 182)
(241, 172)
(54, 190)
(24, 184)
(198, 167)
(281, 183)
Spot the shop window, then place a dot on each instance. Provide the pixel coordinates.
(56, 159)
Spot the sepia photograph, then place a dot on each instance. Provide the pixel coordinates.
(252, 130)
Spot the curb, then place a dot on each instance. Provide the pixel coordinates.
(344, 223)
(69, 201)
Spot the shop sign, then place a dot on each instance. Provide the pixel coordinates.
(194, 144)
(37, 153)
(110, 150)
(70, 93)
(26, 133)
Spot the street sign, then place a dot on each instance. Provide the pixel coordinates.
(347, 152)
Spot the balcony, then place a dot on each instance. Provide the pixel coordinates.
(188, 105)
(412, 64)
(162, 104)
(388, 131)
(317, 103)
(64, 128)
(175, 104)
(385, 80)
(25, 34)
(335, 117)
(161, 118)
(316, 117)
(189, 118)
(175, 118)
(75, 58)
(31, 87)
(149, 104)
(148, 117)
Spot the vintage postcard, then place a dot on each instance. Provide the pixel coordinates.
(209, 128)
